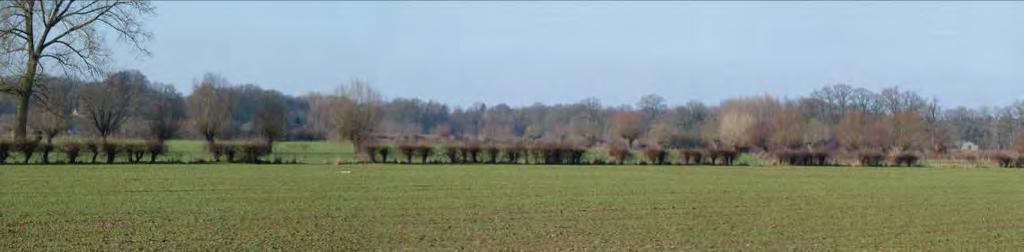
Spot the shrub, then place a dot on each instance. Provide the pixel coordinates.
(371, 151)
(424, 151)
(534, 153)
(713, 156)
(94, 148)
(551, 153)
(728, 156)
(820, 157)
(655, 155)
(408, 151)
(110, 149)
(513, 153)
(155, 148)
(749, 159)
(871, 158)
(1019, 161)
(230, 151)
(5, 151)
(71, 151)
(619, 153)
(1004, 159)
(46, 148)
(134, 151)
(493, 153)
(27, 148)
(906, 158)
(216, 150)
(692, 156)
(384, 151)
(253, 152)
(576, 153)
(451, 151)
(473, 149)
(968, 156)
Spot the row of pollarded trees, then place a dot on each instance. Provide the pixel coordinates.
(103, 108)
(575, 153)
(126, 105)
(535, 152)
(75, 152)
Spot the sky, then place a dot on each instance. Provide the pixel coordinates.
(968, 54)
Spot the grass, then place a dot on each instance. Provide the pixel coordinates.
(303, 152)
(531, 207)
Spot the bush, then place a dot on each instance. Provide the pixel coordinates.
(493, 153)
(619, 153)
(551, 153)
(513, 153)
(5, 151)
(71, 151)
(871, 158)
(906, 158)
(692, 156)
(451, 151)
(46, 148)
(749, 159)
(576, 153)
(155, 148)
(1004, 159)
(134, 151)
(728, 156)
(253, 152)
(94, 148)
(27, 148)
(371, 151)
(473, 150)
(384, 151)
(655, 155)
(408, 151)
(424, 151)
(110, 149)
(803, 157)
(216, 150)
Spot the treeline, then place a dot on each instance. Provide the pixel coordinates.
(127, 105)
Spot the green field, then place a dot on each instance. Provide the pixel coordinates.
(527, 207)
(320, 152)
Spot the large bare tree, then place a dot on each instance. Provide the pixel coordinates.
(210, 107)
(65, 34)
(356, 114)
(271, 117)
(629, 126)
(108, 104)
(164, 111)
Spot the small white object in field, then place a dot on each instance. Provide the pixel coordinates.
(346, 172)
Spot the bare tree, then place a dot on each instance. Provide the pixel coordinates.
(65, 34)
(270, 117)
(165, 109)
(356, 114)
(734, 128)
(109, 104)
(209, 107)
(56, 102)
(853, 129)
(652, 106)
(629, 126)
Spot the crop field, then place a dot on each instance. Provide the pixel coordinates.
(492, 207)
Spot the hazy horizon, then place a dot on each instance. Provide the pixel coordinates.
(560, 52)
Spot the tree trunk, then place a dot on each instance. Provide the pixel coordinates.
(21, 125)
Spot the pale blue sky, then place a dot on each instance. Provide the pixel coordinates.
(557, 52)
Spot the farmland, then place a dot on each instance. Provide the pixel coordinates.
(521, 207)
